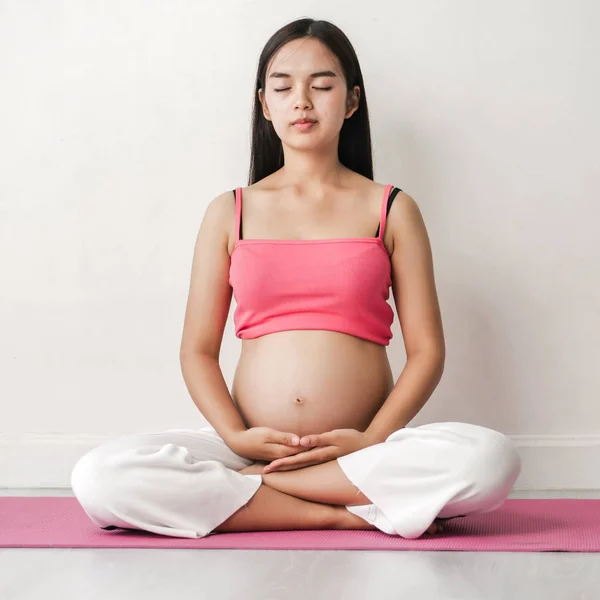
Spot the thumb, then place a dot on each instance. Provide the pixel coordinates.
(289, 439)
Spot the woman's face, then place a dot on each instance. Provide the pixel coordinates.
(292, 92)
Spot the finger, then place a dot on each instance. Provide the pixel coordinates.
(320, 454)
(310, 440)
(289, 439)
(328, 438)
(289, 467)
(283, 451)
(283, 468)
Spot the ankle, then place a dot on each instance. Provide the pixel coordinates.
(347, 520)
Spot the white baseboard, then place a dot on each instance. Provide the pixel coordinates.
(550, 462)
(558, 462)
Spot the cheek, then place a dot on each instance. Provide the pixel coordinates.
(332, 109)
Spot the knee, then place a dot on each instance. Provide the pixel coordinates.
(495, 466)
(93, 480)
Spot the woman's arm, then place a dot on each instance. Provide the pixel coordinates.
(206, 313)
(208, 389)
(420, 319)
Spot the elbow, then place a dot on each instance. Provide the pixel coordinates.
(194, 348)
(434, 356)
(186, 355)
(440, 357)
(437, 362)
(434, 351)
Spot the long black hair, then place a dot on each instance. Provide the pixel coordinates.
(354, 148)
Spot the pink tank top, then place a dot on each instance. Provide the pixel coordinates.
(334, 284)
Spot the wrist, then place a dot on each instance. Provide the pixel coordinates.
(229, 436)
(372, 438)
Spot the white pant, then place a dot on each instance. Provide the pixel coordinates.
(184, 483)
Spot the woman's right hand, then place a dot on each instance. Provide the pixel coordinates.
(265, 443)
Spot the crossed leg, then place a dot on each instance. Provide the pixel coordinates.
(307, 498)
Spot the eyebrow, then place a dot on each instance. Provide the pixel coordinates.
(312, 75)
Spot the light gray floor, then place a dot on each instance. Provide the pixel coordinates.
(129, 574)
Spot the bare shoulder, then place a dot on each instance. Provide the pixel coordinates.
(403, 205)
(220, 216)
(405, 222)
(223, 205)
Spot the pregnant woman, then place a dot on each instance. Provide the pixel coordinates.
(314, 432)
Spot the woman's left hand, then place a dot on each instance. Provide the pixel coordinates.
(322, 447)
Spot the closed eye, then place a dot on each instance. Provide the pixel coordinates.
(317, 88)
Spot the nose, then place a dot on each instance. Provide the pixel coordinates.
(302, 100)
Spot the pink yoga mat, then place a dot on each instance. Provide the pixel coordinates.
(517, 526)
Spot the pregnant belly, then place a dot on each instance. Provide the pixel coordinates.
(310, 381)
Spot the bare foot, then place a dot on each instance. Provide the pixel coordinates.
(436, 526)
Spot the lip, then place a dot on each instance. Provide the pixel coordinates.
(306, 126)
(303, 121)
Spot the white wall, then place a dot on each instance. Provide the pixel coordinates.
(120, 121)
